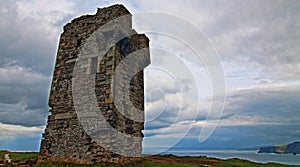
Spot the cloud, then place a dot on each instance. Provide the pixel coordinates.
(42, 17)
(269, 103)
(162, 83)
(21, 76)
(12, 131)
(29, 33)
(30, 30)
(49, 11)
(250, 114)
(23, 96)
(261, 37)
(260, 106)
(20, 138)
(257, 42)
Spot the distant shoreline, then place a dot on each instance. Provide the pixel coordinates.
(292, 148)
(251, 155)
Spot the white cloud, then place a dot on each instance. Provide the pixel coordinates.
(257, 41)
(11, 75)
(8, 131)
(162, 83)
(46, 10)
(256, 109)
(30, 31)
(42, 17)
(261, 36)
(23, 96)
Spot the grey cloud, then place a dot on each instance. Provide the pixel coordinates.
(273, 105)
(156, 124)
(240, 137)
(29, 31)
(23, 96)
(20, 116)
(263, 115)
(158, 87)
(28, 38)
(262, 35)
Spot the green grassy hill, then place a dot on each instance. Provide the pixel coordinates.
(22, 158)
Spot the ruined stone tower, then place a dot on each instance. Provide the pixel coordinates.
(97, 93)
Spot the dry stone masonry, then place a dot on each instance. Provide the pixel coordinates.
(97, 93)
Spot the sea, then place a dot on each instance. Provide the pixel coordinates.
(251, 155)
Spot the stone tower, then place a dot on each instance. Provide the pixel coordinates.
(97, 93)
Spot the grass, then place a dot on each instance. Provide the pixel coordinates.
(245, 163)
(224, 163)
(64, 164)
(2, 153)
(21, 157)
(167, 164)
(144, 163)
(151, 161)
(147, 163)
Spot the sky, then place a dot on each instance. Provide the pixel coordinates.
(224, 74)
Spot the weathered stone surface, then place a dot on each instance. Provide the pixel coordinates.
(66, 137)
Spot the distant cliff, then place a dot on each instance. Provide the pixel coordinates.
(293, 148)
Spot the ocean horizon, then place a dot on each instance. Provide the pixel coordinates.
(251, 155)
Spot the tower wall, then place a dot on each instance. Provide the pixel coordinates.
(85, 88)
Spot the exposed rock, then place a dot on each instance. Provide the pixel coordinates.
(293, 148)
(7, 158)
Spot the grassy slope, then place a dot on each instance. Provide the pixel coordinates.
(154, 161)
(222, 163)
(21, 156)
